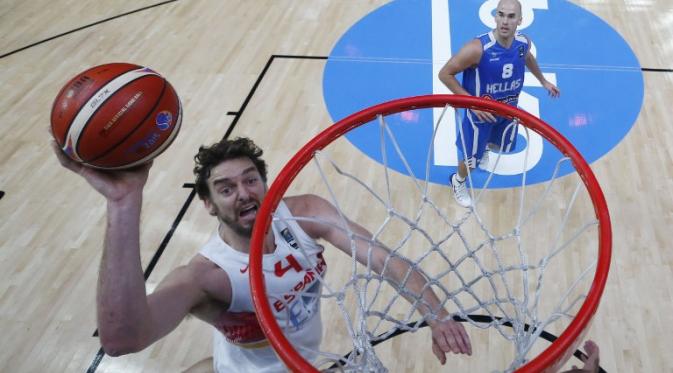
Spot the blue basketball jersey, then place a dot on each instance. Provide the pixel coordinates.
(500, 72)
(498, 76)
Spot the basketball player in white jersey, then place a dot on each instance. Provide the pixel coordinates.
(493, 66)
(213, 286)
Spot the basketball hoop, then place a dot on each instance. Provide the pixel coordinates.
(579, 299)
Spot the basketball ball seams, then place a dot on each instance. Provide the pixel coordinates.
(117, 83)
(138, 124)
(61, 138)
(163, 146)
(116, 116)
(135, 128)
(94, 103)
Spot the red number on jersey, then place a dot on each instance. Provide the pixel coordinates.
(292, 263)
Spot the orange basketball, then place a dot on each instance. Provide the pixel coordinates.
(115, 116)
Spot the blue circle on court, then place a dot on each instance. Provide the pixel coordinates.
(388, 54)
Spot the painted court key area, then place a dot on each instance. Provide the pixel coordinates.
(397, 50)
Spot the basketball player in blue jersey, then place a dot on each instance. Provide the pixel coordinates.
(493, 66)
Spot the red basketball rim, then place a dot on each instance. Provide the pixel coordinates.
(556, 353)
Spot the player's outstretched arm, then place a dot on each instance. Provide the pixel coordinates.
(127, 320)
(448, 335)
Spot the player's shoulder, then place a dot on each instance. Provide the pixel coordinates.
(317, 209)
(481, 39)
(209, 277)
(522, 38)
(476, 42)
(203, 270)
(305, 204)
(486, 40)
(485, 36)
(472, 50)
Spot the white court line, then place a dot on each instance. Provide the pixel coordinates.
(444, 145)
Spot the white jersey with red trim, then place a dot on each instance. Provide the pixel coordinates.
(291, 274)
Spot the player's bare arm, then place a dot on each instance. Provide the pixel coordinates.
(200, 288)
(534, 68)
(129, 320)
(147, 319)
(448, 336)
(467, 57)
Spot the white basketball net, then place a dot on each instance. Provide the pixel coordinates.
(474, 270)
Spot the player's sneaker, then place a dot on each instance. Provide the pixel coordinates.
(460, 192)
(483, 162)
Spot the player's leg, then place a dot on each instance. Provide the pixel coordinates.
(471, 142)
(503, 136)
(502, 139)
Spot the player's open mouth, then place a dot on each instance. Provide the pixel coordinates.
(248, 211)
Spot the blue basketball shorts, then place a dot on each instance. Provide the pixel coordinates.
(473, 136)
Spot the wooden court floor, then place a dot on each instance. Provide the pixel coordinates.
(243, 68)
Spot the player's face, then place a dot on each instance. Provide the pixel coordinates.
(236, 193)
(507, 19)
